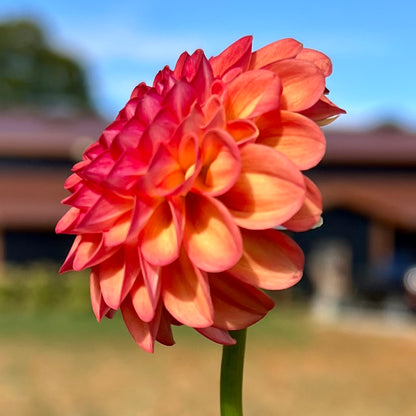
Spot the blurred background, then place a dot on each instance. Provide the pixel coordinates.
(344, 338)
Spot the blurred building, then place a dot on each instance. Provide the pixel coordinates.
(367, 179)
(368, 184)
(46, 121)
(37, 151)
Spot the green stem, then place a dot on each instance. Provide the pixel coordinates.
(232, 368)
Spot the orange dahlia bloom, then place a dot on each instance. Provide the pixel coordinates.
(174, 208)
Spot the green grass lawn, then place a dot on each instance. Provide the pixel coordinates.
(65, 363)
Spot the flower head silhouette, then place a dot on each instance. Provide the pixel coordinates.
(174, 208)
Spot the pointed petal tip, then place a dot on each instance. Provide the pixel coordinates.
(186, 293)
(142, 332)
(64, 269)
(220, 336)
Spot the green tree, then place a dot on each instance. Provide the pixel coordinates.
(33, 75)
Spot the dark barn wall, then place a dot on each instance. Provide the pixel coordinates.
(339, 225)
(24, 246)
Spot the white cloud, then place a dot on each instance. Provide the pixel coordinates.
(95, 44)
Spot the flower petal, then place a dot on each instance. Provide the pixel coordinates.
(185, 293)
(217, 335)
(276, 51)
(310, 212)
(116, 279)
(303, 83)
(128, 138)
(144, 207)
(211, 237)
(90, 251)
(271, 260)
(197, 70)
(107, 137)
(152, 280)
(318, 58)
(73, 182)
(164, 334)
(99, 307)
(252, 93)
(242, 131)
(143, 333)
(179, 100)
(237, 305)
(126, 171)
(159, 131)
(269, 191)
(118, 233)
(294, 135)
(68, 221)
(220, 160)
(161, 237)
(104, 213)
(214, 113)
(148, 107)
(236, 55)
(174, 167)
(98, 169)
(142, 301)
(68, 263)
(85, 196)
(322, 110)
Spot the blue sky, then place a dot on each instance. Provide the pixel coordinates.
(371, 44)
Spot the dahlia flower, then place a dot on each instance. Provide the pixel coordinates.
(175, 207)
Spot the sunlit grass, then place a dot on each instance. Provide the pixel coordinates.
(67, 364)
(56, 360)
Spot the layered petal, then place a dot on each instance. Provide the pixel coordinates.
(180, 99)
(99, 307)
(98, 169)
(269, 190)
(116, 279)
(220, 336)
(237, 305)
(141, 301)
(243, 131)
(150, 294)
(84, 196)
(186, 293)
(162, 237)
(236, 55)
(271, 260)
(211, 237)
(68, 221)
(87, 251)
(126, 171)
(164, 334)
(318, 58)
(144, 333)
(323, 110)
(303, 83)
(174, 167)
(220, 163)
(309, 214)
(104, 213)
(252, 94)
(276, 51)
(294, 135)
(128, 138)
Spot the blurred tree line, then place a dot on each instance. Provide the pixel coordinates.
(33, 75)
